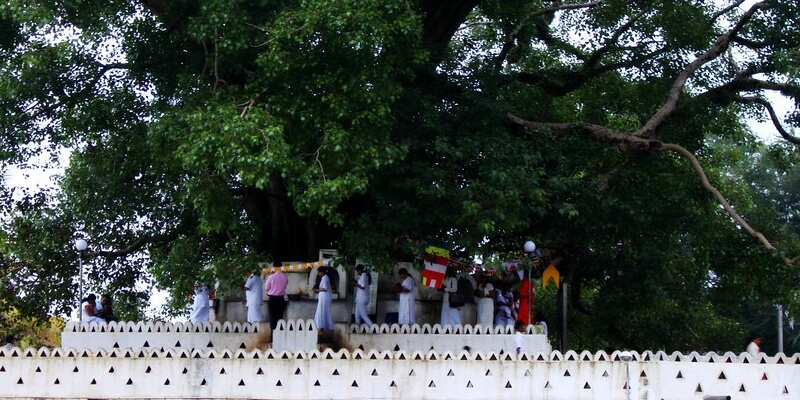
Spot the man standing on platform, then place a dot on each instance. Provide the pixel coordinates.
(276, 290)
(254, 293)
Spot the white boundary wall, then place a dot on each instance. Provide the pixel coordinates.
(235, 373)
(238, 374)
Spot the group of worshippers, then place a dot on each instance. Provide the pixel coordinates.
(254, 289)
(362, 282)
(91, 311)
(494, 306)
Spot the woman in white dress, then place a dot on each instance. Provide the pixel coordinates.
(323, 317)
(450, 315)
(485, 301)
(362, 295)
(406, 306)
(200, 304)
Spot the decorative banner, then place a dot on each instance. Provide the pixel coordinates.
(551, 273)
(437, 251)
(295, 267)
(435, 267)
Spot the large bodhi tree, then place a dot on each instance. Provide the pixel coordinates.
(209, 135)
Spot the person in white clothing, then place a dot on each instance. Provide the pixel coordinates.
(362, 283)
(519, 339)
(405, 314)
(323, 317)
(485, 301)
(254, 293)
(88, 309)
(449, 315)
(754, 344)
(200, 304)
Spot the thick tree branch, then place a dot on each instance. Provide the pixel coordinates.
(561, 82)
(509, 42)
(772, 115)
(133, 247)
(629, 142)
(442, 19)
(725, 11)
(675, 91)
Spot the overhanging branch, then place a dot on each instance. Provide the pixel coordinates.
(772, 115)
(629, 142)
(675, 91)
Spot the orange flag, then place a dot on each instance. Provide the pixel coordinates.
(551, 273)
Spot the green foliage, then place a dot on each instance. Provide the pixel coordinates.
(28, 331)
(209, 136)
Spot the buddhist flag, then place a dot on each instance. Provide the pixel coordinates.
(437, 251)
(435, 267)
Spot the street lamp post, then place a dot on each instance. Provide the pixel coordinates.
(80, 245)
(529, 248)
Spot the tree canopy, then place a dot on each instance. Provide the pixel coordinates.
(207, 136)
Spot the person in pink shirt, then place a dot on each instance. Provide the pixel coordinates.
(276, 290)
